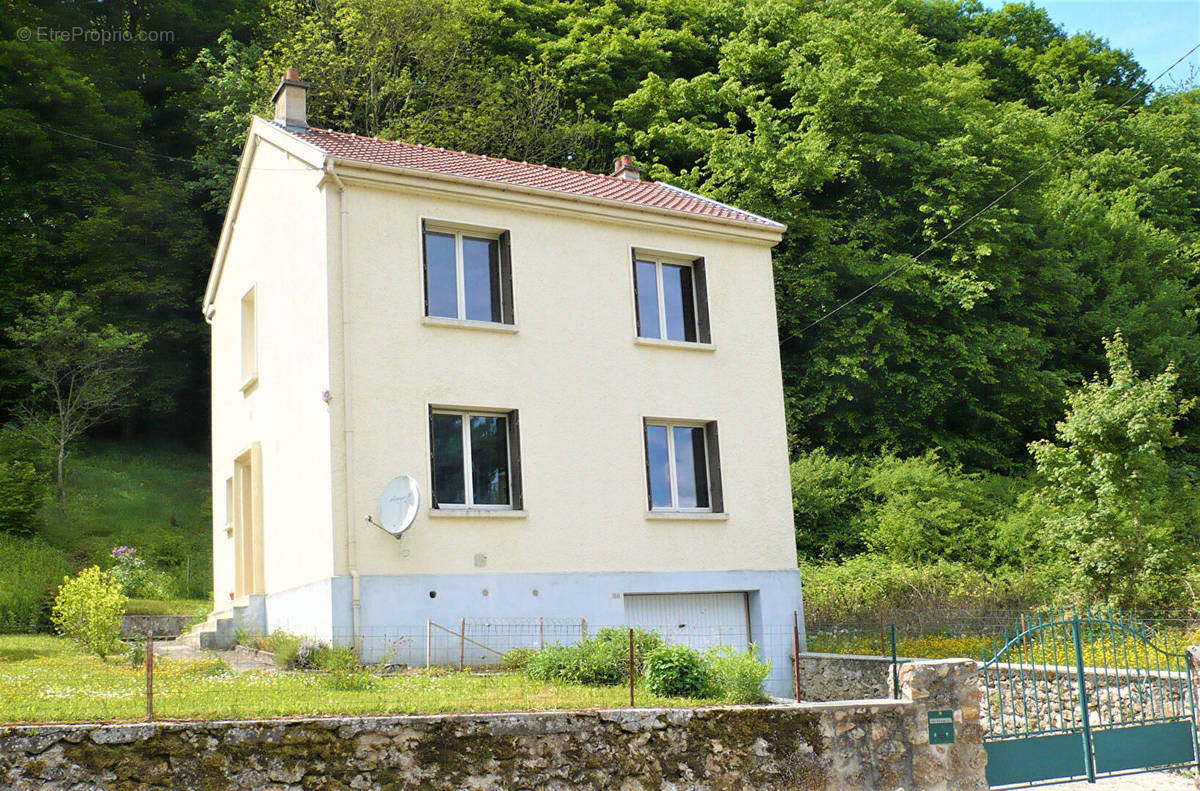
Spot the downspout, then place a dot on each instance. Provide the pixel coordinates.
(347, 423)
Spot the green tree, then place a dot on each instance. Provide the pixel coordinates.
(1122, 508)
(81, 373)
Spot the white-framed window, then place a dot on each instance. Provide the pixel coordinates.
(683, 471)
(249, 339)
(475, 458)
(467, 274)
(670, 294)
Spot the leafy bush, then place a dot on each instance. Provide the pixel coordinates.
(88, 610)
(600, 660)
(346, 673)
(138, 578)
(517, 660)
(677, 671)
(22, 492)
(135, 651)
(828, 497)
(29, 577)
(736, 676)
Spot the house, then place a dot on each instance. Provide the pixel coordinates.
(581, 372)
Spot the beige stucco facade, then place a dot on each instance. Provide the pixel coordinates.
(348, 367)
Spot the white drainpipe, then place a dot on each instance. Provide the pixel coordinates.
(347, 423)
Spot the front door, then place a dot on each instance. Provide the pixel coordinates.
(247, 523)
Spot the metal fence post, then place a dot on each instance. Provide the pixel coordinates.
(796, 652)
(631, 667)
(462, 645)
(1083, 700)
(149, 676)
(428, 643)
(895, 671)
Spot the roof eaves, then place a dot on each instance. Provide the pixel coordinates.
(764, 220)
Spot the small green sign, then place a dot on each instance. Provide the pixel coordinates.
(941, 727)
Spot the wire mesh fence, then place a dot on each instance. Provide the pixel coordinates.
(482, 643)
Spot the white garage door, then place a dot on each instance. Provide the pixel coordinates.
(701, 620)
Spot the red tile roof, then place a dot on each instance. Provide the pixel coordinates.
(505, 171)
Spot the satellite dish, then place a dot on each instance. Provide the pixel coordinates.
(398, 505)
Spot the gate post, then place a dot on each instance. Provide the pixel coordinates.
(1088, 762)
(1193, 675)
(939, 685)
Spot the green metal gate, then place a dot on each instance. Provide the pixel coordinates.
(1076, 696)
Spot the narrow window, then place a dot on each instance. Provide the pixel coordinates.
(474, 463)
(682, 470)
(249, 339)
(467, 276)
(229, 507)
(670, 299)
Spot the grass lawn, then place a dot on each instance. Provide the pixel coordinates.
(152, 497)
(47, 679)
(196, 607)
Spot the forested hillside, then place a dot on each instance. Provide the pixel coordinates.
(871, 128)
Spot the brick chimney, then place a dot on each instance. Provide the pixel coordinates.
(623, 168)
(291, 107)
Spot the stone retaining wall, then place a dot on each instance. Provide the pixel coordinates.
(881, 744)
(844, 676)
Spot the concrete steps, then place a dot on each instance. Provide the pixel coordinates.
(215, 633)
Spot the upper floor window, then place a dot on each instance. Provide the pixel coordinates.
(671, 297)
(249, 340)
(467, 275)
(682, 466)
(476, 462)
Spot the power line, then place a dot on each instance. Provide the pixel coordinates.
(1054, 157)
(168, 157)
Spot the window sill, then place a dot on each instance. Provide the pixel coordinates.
(692, 346)
(249, 384)
(688, 516)
(476, 513)
(469, 324)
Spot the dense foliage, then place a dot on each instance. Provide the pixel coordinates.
(1111, 515)
(870, 127)
(29, 577)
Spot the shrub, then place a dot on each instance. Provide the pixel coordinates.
(828, 498)
(22, 492)
(137, 578)
(88, 610)
(135, 651)
(601, 660)
(614, 642)
(346, 673)
(677, 671)
(517, 660)
(29, 577)
(736, 676)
